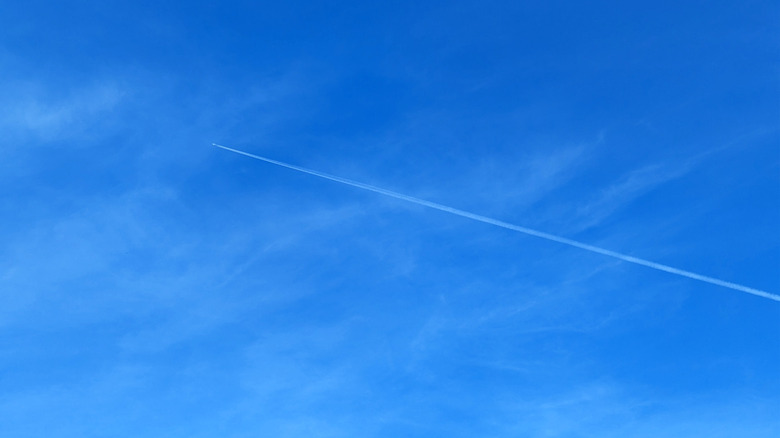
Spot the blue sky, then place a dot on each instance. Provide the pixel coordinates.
(153, 285)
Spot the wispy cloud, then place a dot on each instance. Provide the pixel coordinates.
(608, 409)
(31, 112)
(517, 186)
(625, 190)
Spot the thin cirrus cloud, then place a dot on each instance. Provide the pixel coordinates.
(627, 189)
(38, 115)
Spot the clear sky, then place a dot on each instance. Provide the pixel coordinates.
(152, 285)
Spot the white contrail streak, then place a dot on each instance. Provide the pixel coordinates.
(543, 235)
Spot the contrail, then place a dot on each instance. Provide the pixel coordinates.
(498, 223)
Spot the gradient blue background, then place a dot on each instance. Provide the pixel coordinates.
(152, 285)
